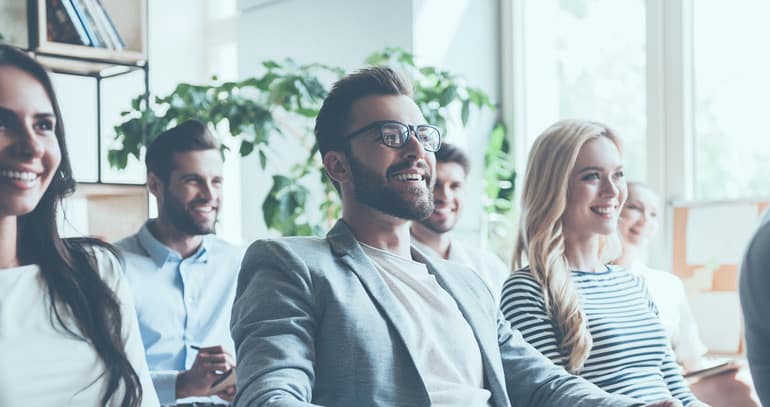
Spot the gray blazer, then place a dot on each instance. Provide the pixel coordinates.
(313, 322)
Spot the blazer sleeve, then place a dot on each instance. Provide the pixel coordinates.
(273, 325)
(755, 301)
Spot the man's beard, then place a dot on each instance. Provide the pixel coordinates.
(182, 220)
(372, 191)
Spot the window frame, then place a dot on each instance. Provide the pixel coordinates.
(670, 139)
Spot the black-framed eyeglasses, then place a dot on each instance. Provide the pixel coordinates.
(395, 134)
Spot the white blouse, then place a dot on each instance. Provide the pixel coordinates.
(43, 365)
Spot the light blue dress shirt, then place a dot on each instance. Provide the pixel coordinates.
(180, 303)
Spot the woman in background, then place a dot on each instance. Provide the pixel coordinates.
(68, 332)
(593, 319)
(638, 225)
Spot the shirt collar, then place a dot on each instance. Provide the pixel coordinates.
(160, 253)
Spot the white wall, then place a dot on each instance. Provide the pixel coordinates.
(458, 35)
(175, 34)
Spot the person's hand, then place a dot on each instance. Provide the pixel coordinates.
(209, 364)
(666, 403)
(733, 389)
(227, 394)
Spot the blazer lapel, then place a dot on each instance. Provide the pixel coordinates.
(475, 314)
(346, 247)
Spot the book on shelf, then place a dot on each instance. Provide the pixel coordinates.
(89, 24)
(64, 25)
(106, 25)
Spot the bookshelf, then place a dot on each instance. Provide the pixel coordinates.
(130, 21)
(106, 203)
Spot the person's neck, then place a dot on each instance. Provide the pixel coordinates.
(438, 242)
(9, 256)
(583, 253)
(378, 229)
(170, 236)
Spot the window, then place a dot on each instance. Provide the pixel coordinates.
(684, 82)
(731, 89)
(585, 59)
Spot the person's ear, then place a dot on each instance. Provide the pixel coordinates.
(154, 184)
(337, 167)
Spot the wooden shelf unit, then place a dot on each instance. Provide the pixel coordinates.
(130, 19)
(113, 211)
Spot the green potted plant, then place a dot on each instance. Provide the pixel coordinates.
(254, 111)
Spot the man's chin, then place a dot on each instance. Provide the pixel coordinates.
(438, 227)
(207, 228)
(201, 228)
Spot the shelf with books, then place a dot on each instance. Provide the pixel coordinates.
(103, 31)
(114, 40)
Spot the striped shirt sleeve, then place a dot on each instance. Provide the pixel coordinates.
(524, 308)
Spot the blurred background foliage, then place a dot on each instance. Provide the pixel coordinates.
(283, 102)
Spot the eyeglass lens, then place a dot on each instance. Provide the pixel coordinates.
(396, 135)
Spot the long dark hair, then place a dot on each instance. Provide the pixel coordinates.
(68, 266)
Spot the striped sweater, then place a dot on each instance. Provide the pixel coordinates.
(630, 354)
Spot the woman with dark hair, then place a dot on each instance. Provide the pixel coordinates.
(68, 332)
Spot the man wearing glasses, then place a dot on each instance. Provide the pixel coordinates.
(361, 318)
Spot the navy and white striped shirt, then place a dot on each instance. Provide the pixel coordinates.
(631, 354)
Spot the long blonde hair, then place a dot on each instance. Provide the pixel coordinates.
(541, 235)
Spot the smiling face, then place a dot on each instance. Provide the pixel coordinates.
(29, 149)
(639, 217)
(191, 197)
(447, 197)
(397, 182)
(596, 191)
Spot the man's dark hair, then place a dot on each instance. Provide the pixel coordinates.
(334, 116)
(191, 135)
(449, 153)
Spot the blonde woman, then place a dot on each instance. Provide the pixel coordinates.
(594, 320)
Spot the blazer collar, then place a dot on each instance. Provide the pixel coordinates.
(482, 320)
(344, 245)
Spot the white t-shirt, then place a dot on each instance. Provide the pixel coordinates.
(43, 365)
(486, 265)
(670, 297)
(447, 354)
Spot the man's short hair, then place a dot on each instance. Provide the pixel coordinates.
(334, 116)
(449, 153)
(191, 135)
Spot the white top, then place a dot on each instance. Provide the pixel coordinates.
(447, 355)
(670, 297)
(486, 265)
(43, 365)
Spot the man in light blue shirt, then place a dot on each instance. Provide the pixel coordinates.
(183, 277)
